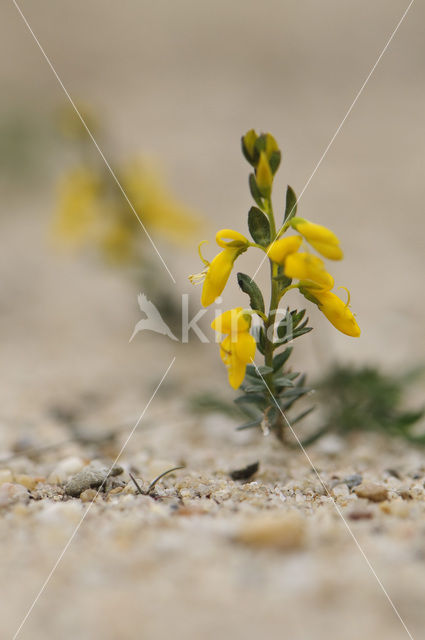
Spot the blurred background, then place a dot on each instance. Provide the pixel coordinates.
(173, 86)
(179, 82)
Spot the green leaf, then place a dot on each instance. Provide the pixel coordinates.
(250, 425)
(255, 191)
(295, 392)
(248, 144)
(301, 332)
(255, 399)
(291, 204)
(260, 143)
(274, 161)
(281, 358)
(259, 226)
(307, 294)
(248, 286)
(255, 387)
(253, 371)
(302, 415)
(297, 316)
(283, 381)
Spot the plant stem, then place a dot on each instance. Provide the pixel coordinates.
(274, 300)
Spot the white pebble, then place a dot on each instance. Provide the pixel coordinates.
(65, 469)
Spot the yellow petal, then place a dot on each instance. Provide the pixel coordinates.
(305, 266)
(321, 238)
(337, 312)
(232, 322)
(217, 275)
(264, 174)
(236, 372)
(236, 353)
(229, 238)
(245, 347)
(280, 249)
(332, 252)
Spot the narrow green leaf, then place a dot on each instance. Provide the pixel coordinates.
(255, 191)
(281, 358)
(259, 226)
(274, 161)
(295, 392)
(252, 371)
(283, 381)
(291, 204)
(255, 399)
(248, 286)
(302, 415)
(250, 425)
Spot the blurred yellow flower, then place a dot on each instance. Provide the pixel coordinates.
(238, 347)
(321, 238)
(157, 207)
(92, 210)
(78, 205)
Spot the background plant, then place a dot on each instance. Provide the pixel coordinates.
(92, 214)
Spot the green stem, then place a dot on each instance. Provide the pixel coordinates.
(274, 301)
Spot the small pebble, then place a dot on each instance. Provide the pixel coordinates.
(30, 482)
(397, 508)
(91, 477)
(65, 469)
(372, 491)
(353, 481)
(10, 493)
(5, 476)
(88, 495)
(283, 531)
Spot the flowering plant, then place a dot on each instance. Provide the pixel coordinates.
(272, 388)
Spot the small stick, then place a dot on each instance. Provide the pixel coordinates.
(153, 483)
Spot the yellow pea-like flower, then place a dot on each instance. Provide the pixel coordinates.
(337, 312)
(322, 239)
(306, 267)
(232, 321)
(230, 238)
(217, 272)
(217, 275)
(238, 348)
(279, 250)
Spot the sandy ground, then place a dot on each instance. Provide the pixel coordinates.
(181, 81)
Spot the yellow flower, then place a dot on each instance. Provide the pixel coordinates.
(306, 267)
(232, 322)
(321, 238)
(238, 347)
(218, 271)
(279, 250)
(155, 204)
(337, 312)
(78, 208)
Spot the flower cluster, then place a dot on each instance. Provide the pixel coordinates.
(91, 210)
(292, 266)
